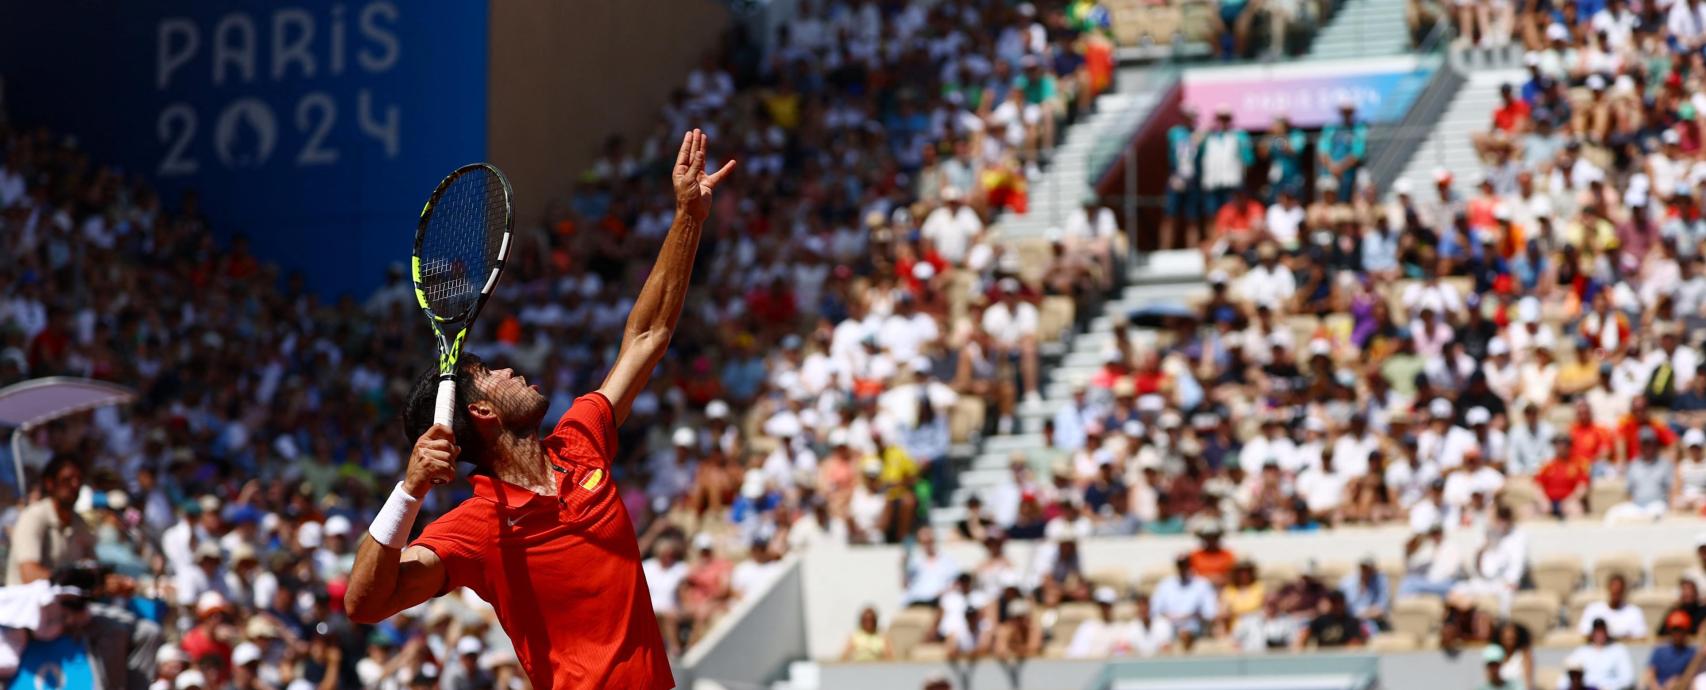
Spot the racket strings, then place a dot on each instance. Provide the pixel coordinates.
(461, 242)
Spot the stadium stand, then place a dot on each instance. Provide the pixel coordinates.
(1514, 341)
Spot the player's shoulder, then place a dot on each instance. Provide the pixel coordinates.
(591, 420)
(466, 526)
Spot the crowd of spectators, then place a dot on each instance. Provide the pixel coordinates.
(848, 294)
(1517, 342)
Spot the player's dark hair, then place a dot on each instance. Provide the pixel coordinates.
(418, 409)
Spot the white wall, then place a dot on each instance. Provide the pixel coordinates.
(756, 640)
(838, 582)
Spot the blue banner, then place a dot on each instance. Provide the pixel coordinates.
(57, 664)
(316, 128)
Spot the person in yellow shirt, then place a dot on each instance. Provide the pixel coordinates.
(1242, 596)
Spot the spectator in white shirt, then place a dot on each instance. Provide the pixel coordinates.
(929, 572)
(1323, 489)
(1269, 282)
(953, 226)
(665, 572)
(1474, 477)
(1603, 662)
(1623, 620)
(1101, 636)
(1012, 327)
(1090, 230)
(751, 574)
(1186, 601)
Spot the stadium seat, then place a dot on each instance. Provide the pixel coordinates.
(1670, 568)
(1628, 563)
(1054, 317)
(1071, 615)
(1536, 610)
(1125, 611)
(910, 628)
(1334, 571)
(1394, 642)
(1034, 255)
(1417, 616)
(1546, 677)
(1275, 575)
(1653, 602)
(1562, 638)
(1605, 493)
(1114, 576)
(1522, 496)
(1559, 574)
(934, 651)
(1153, 576)
(1215, 646)
(1056, 649)
(966, 418)
(1394, 570)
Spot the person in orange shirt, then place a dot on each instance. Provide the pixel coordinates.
(1212, 561)
(1589, 442)
(1629, 428)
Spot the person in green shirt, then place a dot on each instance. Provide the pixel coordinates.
(1342, 148)
(1282, 148)
(1183, 212)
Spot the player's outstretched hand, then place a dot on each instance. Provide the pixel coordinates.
(432, 462)
(692, 185)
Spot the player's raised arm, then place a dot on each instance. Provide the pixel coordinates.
(658, 308)
(388, 578)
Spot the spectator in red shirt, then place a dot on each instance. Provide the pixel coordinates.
(1629, 428)
(1589, 442)
(205, 639)
(1510, 120)
(1563, 480)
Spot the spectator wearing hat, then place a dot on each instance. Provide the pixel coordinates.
(1670, 659)
(206, 576)
(1211, 559)
(209, 637)
(1101, 636)
(1342, 147)
(49, 533)
(1604, 662)
(1226, 152)
(464, 671)
(1691, 472)
(1011, 323)
(1493, 663)
(1187, 601)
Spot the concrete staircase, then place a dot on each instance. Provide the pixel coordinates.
(1067, 177)
(1172, 276)
(1447, 145)
(1363, 28)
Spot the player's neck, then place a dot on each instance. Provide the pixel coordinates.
(520, 461)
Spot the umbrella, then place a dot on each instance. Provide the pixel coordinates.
(36, 402)
(1158, 314)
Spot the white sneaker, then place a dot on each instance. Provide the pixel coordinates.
(1033, 399)
(1004, 425)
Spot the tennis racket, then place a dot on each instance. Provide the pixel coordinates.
(460, 247)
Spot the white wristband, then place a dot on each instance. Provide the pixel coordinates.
(391, 526)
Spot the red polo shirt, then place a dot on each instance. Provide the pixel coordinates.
(562, 572)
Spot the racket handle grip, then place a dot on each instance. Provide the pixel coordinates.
(444, 408)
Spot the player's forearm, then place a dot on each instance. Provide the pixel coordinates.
(658, 308)
(372, 581)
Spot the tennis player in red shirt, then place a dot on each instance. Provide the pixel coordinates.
(545, 538)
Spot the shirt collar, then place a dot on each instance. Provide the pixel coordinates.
(500, 492)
